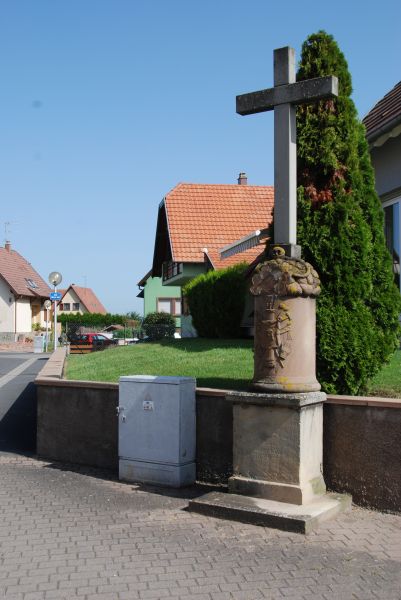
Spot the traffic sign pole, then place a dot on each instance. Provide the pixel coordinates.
(55, 319)
(47, 330)
(55, 278)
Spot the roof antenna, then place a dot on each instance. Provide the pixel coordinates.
(7, 227)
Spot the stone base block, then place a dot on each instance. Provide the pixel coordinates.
(157, 473)
(278, 446)
(268, 513)
(279, 492)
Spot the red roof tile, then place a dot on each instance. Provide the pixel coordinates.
(385, 113)
(21, 276)
(88, 298)
(212, 216)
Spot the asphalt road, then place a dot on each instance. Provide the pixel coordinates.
(18, 400)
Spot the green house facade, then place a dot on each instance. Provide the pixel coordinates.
(159, 298)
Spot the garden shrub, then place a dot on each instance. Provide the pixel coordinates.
(340, 228)
(158, 325)
(216, 301)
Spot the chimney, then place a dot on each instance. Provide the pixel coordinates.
(7, 246)
(242, 179)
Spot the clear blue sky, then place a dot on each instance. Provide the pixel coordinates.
(105, 105)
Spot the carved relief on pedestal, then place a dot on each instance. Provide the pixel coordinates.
(283, 276)
(284, 290)
(275, 342)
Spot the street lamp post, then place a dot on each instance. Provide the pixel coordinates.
(55, 278)
(47, 306)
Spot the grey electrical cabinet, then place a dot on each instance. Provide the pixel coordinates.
(157, 430)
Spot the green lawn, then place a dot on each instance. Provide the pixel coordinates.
(387, 383)
(223, 364)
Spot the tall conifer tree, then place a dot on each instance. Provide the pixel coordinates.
(340, 228)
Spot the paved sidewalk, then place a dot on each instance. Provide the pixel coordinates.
(76, 534)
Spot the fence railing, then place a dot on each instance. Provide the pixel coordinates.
(171, 269)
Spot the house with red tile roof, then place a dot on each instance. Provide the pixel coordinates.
(383, 132)
(196, 221)
(77, 299)
(22, 294)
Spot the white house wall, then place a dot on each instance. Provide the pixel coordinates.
(24, 315)
(15, 316)
(386, 161)
(6, 308)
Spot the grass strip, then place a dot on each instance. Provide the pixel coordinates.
(221, 364)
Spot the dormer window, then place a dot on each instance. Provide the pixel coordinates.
(31, 284)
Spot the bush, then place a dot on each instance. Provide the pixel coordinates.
(340, 228)
(158, 325)
(97, 320)
(216, 301)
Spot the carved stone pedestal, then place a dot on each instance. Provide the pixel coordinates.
(278, 446)
(277, 459)
(278, 433)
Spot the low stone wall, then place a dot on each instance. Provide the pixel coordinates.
(77, 422)
(362, 450)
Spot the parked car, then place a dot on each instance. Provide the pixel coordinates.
(96, 339)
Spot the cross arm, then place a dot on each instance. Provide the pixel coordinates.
(300, 92)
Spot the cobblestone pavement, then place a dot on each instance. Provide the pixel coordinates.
(70, 533)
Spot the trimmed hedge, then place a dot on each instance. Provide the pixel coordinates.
(100, 320)
(92, 319)
(216, 301)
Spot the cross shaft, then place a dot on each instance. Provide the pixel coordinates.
(283, 98)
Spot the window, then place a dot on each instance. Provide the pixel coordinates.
(172, 306)
(66, 306)
(164, 306)
(75, 306)
(392, 223)
(31, 284)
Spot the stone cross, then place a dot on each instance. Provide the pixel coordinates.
(283, 98)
